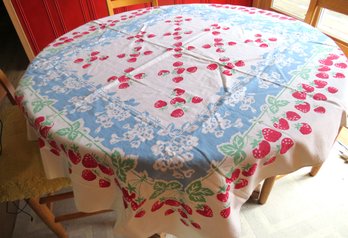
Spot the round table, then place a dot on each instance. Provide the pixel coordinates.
(173, 115)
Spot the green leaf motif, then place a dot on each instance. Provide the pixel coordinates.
(234, 150)
(40, 104)
(197, 197)
(275, 104)
(238, 142)
(156, 193)
(197, 193)
(239, 157)
(227, 149)
(174, 186)
(71, 132)
(122, 166)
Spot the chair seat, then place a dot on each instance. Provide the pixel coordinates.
(21, 170)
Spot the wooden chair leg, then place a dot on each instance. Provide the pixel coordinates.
(266, 189)
(47, 217)
(314, 170)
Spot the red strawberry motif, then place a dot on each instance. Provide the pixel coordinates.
(38, 121)
(78, 60)
(196, 99)
(176, 100)
(320, 83)
(305, 129)
(227, 72)
(196, 225)
(327, 62)
(241, 183)
(271, 135)
(178, 64)
(151, 35)
(263, 150)
(231, 43)
(179, 70)
(187, 208)
(89, 161)
(205, 210)
(239, 63)
(234, 176)
(172, 202)
(215, 33)
(94, 53)
(160, 104)
(177, 113)
(299, 95)
(192, 69)
(332, 89)
(148, 52)
(339, 76)
(324, 68)
(178, 91)
(132, 60)
(223, 197)
(341, 65)
(139, 76)
(212, 66)
(182, 213)
(106, 170)
(177, 79)
(44, 131)
(163, 72)
(88, 175)
(303, 107)
(225, 213)
(123, 85)
(168, 212)
(140, 214)
(41, 142)
(225, 59)
(270, 160)
(157, 205)
(307, 88)
(206, 46)
(137, 48)
(263, 45)
(128, 70)
(320, 109)
(184, 222)
(75, 158)
(292, 116)
(286, 144)
(322, 75)
(123, 79)
(282, 124)
(249, 169)
(319, 97)
(105, 57)
(104, 183)
(111, 79)
(332, 56)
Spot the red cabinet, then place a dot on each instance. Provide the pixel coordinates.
(39, 22)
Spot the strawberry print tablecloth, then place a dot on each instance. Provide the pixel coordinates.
(173, 115)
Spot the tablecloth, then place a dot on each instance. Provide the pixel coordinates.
(173, 115)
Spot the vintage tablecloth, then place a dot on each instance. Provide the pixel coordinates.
(173, 115)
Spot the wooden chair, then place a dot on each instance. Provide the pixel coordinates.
(113, 4)
(315, 9)
(269, 182)
(21, 171)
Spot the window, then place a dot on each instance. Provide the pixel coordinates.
(331, 23)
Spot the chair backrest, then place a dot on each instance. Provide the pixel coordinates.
(6, 88)
(314, 12)
(113, 4)
(315, 6)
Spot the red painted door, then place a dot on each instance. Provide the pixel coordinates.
(45, 20)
